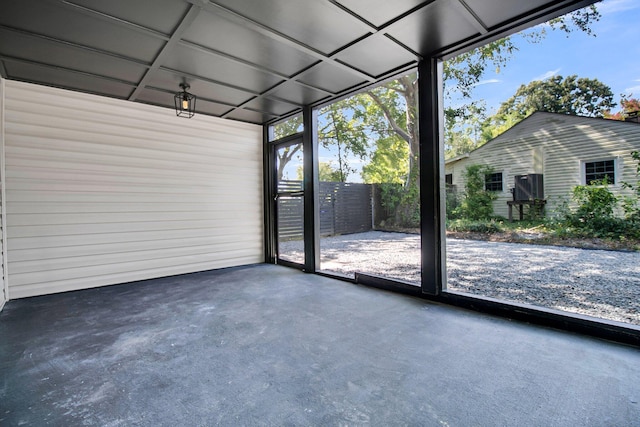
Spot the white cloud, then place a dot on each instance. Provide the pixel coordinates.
(488, 81)
(633, 90)
(614, 6)
(547, 75)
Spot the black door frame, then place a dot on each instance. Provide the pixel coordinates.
(273, 194)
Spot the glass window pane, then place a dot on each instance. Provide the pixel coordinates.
(290, 202)
(526, 115)
(288, 127)
(369, 193)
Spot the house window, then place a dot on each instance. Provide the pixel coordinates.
(448, 179)
(493, 181)
(597, 171)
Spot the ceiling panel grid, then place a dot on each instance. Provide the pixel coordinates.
(247, 60)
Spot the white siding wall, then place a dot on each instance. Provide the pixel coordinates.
(554, 145)
(4, 291)
(102, 191)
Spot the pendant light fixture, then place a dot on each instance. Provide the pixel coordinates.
(185, 102)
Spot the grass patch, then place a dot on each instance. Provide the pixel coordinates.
(536, 232)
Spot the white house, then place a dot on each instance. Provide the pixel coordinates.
(566, 150)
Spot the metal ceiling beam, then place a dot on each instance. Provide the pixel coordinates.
(113, 19)
(208, 80)
(65, 69)
(3, 70)
(237, 18)
(76, 45)
(534, 17)
(173, 41)
(386, 24)
(464, 9)
(348, 92)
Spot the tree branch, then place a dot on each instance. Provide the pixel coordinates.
(385, 110)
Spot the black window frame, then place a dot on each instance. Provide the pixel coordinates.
(448, 179)
(596, 170)
(493, 182)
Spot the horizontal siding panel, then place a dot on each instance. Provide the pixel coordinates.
(211, 180)
(104, 269)
(40, 180)
(48, 286)
(142, 120)
(51, 156)
(84, 186)
(79, 250)
(98, 165)
(159, 227)
(88, 240)
(17, 155)
(47, 218)
(115, 197)
(116, 259)
(119, 191)
(115, 207)
(80, 142)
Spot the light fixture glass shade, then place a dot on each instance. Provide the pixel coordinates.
(185, 102)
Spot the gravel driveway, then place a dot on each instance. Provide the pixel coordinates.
(597, 283)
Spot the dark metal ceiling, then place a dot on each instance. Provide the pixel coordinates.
(250, 60)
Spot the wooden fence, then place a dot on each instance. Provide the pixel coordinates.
(344, 208)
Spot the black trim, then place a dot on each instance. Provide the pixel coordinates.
(388, 284)
(581, 324)
(288, 140)
(290, 264)
(268, 176)
(311, 214)
(553, 319)
(431, 216)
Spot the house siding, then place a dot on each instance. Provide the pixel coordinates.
(554, 145)
(4, 290)
(102, 191)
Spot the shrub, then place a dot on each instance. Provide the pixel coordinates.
(631, 204)
(477, 202)
(452, 204)
(594, 214)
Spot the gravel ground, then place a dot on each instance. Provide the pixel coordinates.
(598, 283)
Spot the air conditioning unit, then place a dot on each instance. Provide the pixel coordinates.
(528, 187)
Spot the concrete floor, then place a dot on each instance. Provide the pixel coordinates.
(267, 345)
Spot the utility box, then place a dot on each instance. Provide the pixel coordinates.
(528, 187)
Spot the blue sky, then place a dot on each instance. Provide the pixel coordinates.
(612, 56)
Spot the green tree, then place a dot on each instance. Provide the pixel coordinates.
(344, 132)
(326, 173)
(284, 155)
(389, 162)
(462, 129)
(572, 95)
(629, 105)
